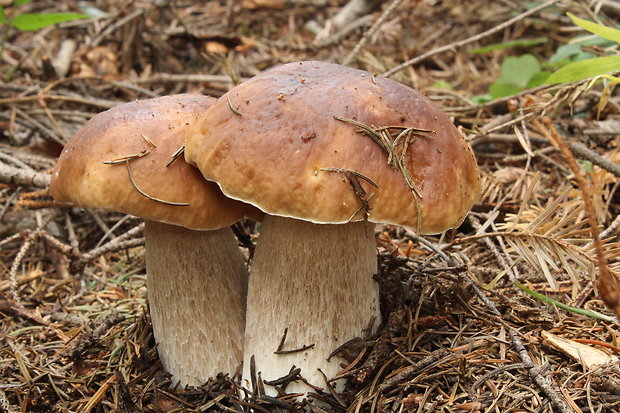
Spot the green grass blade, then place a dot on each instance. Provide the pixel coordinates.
(551, 301)
(584, 69)
(608, 33)
(509, 44)
(36, 21)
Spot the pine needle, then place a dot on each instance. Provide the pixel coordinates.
(144, 194)
(388, 143)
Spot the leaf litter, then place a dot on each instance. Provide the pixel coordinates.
(75, 334)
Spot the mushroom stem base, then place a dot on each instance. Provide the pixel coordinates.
(316, 282)
(197, 286)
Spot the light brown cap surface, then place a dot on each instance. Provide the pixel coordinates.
(271, 156)
(81, 177)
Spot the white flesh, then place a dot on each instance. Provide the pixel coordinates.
(197, 287)
(317, 281)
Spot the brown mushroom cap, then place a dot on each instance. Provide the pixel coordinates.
(273, 154)
(81, 177)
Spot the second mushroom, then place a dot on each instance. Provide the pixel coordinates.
(124, 160)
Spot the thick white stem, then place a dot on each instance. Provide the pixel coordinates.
(197, 287)
(317, 282)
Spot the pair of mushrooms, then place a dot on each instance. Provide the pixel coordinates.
(320, 152)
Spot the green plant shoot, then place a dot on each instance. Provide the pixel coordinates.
(598, 66)
(36, 21)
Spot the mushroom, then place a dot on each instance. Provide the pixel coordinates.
(197, 278)
(326, 151)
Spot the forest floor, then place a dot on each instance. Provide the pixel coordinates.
(481, 318)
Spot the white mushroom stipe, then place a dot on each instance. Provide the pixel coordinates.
(316, 280)
(197, 284)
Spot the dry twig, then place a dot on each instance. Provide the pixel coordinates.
(538, 374)
(360, 45)
(15, 176)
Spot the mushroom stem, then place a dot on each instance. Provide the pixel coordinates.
(197, 286)
(315, 281)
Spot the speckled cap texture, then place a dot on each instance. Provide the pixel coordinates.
(81, 176)
(270, 139)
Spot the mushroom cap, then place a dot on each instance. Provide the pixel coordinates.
(82, 178)
(273, 155)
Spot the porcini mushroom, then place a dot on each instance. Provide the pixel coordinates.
(197, 279)
(326, 151)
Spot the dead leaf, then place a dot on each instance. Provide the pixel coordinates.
(588, 356)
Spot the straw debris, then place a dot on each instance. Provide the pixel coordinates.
(469, 317)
